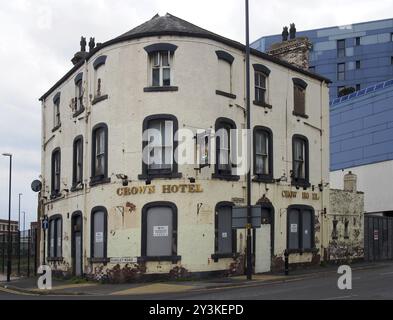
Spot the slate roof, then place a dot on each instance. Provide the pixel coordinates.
(171, 25)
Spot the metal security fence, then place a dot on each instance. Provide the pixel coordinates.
(378, 238)
(23, 253)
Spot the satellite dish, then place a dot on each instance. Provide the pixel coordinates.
(36, 186)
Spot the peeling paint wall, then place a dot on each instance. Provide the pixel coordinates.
(346, 225)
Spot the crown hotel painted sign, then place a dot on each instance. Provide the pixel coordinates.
(166, 188)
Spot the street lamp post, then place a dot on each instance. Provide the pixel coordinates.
(9, 221)
(19, 233)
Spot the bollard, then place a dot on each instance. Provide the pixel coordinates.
(286, 255)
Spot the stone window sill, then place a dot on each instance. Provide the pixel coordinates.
(55, 259)
(226, 94)
(228, 177)
(217, 256)
(300, 115)
(98, 260)
(262, 104)
(56, 128)
(161, 89)
(97, 181)
(77, 187)
(171, 175)
(78, 112)
(301, 183)
(99, 99)
(263, 179)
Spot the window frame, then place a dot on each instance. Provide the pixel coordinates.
(227, 58)
(341, 72)
(75, 163)
(56, 112)
(94, 259)
(262, 177)
(301, 210)
(357, 41)
(299, 110)
(301, 182)
(96, 179)
(98, 64)
(216, 255)
(56, 256)
(261, 70)
(55, 189)
(148, 174)
(174, 257)
(341, 50)
(220, 174)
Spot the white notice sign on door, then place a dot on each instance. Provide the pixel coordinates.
(99, 237)
(293, 227)
(160, 231)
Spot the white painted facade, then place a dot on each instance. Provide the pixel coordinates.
(195, 105)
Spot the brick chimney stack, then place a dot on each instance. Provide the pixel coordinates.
(294, 51)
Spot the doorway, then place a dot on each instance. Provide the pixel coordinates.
(263, 240)
(77, 244)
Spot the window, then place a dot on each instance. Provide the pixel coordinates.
(263, 154)
(300, 228)
(299, 97)
(261, 74)
(339, 90)
(55, 237)
(159, 231)
(159, 146)
(224, 76)
(98, 234)
(225, 149)
(225, 236)
(161, 68)
(357, 64)
(56, 173)
(340, 48)
(341, 71)
(311, 69)
(77, 176)
(357, 41)
(391, 36)
(358, 87)
(99, 78)
(391, 60)
(56, 112)
(78, 101)
(99, 154)
(300, 160)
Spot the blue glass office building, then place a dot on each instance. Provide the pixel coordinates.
(356, 55)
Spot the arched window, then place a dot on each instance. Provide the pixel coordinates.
(159, 146)
(263, 154)
(299, 97)
(98, 234)
(99, 79)
(225, 236)
(300, 161)
(261, 74)
(56, 112)
(159, 232)
(56, 173)
(225, 149)
(78, 100)
(77, 161)
(300, 228)
(99, 166)
(55, 237)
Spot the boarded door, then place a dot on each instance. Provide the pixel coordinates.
(378, 238)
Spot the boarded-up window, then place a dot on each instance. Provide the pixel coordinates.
(299, 94)
(224, 76)
(55, 237)
(224, 233)
(56, 172)
(300, 228)
(98, 234)
(159, 231)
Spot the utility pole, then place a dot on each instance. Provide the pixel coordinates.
(249, 218)
(19, 233)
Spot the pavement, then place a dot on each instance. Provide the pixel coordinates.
(322, 276)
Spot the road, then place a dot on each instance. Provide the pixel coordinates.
(368, 283)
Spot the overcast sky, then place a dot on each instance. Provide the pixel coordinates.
(39, 37)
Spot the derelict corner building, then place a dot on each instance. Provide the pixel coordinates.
(111, 213)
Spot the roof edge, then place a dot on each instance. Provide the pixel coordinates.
(214, 37)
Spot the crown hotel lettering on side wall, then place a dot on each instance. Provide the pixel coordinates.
(166, 188)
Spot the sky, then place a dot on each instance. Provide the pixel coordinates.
(39, 38)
